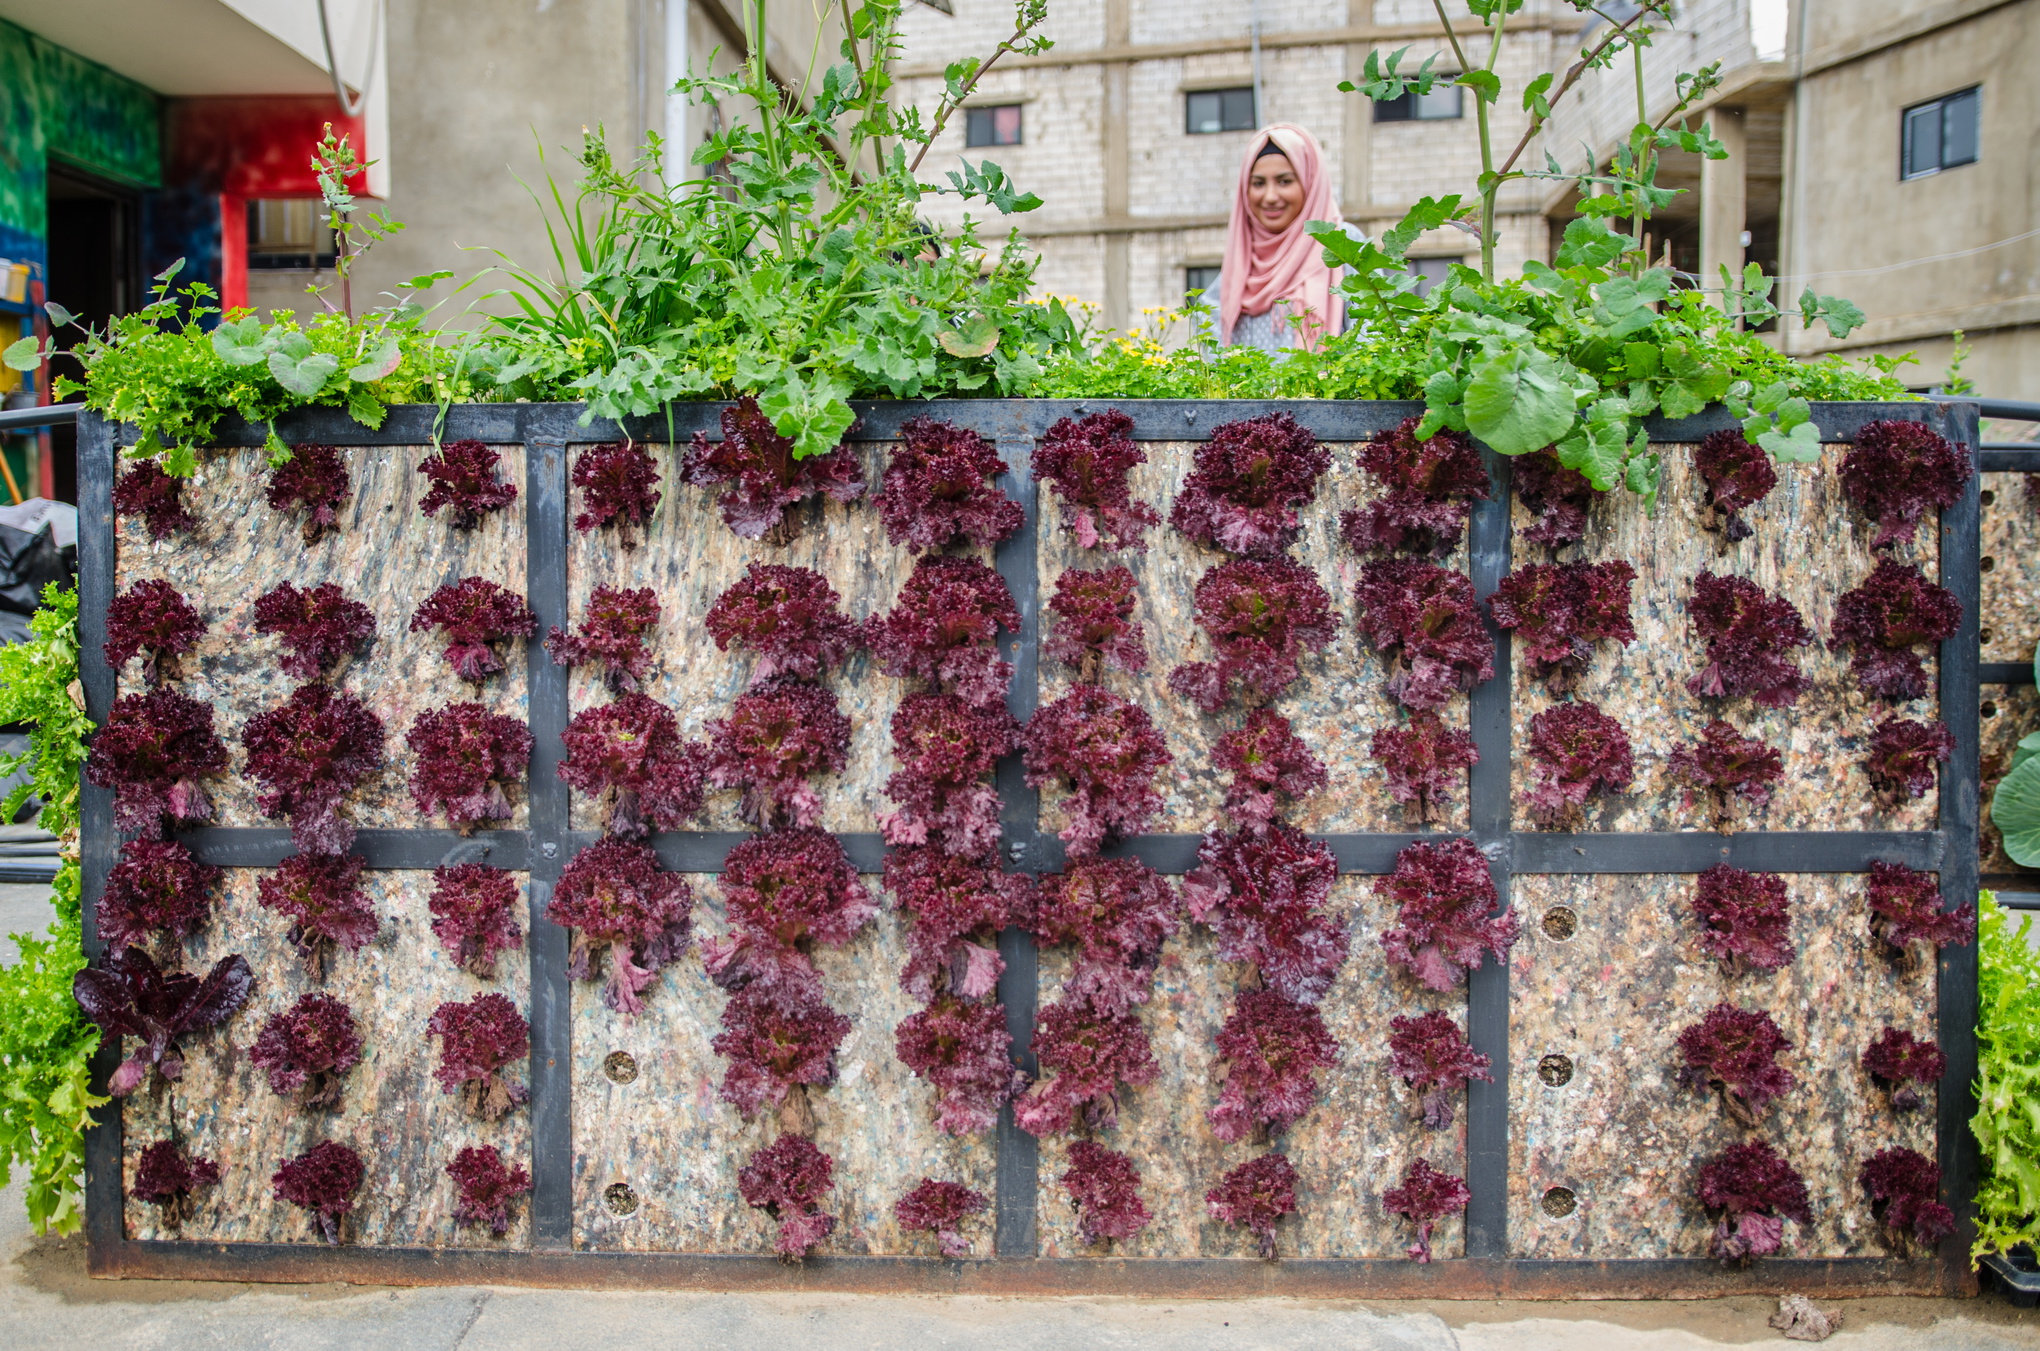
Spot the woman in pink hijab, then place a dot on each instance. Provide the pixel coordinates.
(1274, 290)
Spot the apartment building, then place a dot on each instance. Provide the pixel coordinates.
(1133, 126)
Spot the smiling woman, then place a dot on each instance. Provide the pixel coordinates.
(1275, 290)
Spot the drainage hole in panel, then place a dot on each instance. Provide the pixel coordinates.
(1986, 497)
(620, 1199)
(620, 1067)
(1988, 708)
(1555, 1071)
(1560, 923)
(1560, 1202)
(1986, 564)
(1983, 637)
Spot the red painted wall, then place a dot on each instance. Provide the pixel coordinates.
(242, 148)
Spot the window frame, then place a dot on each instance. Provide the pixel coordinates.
(1940, 106)
(1403, 108)
(1190, 127)
(1190, 292)
(972, 112)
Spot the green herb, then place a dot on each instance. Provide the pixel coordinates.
(46, 1046)
(2007, 1120)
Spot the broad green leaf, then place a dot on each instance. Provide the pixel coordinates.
(1589, 242)
(298, 368)
(1430, 213)
(977, 338)
(1483, 82)
(242, 342)
(366, 409)
(814, 413)
(2028, 747)
(181, 461)
(1641, 360)
(1599, 460)
(2015, 811)
(1841, 316)
(380, 361)
(273, 447)
(1800, 445)
(1533, 95)
(24, 355)
(59, 316)
(1517, 401)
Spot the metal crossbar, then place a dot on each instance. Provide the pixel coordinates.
(547, 432)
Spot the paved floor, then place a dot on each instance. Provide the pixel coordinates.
(47, 1303)
(24, 909)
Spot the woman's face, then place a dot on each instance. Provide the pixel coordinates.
(1275, 193)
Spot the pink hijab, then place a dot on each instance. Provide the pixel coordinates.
(1262, 268)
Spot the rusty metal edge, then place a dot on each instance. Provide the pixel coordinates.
(1195, 1278)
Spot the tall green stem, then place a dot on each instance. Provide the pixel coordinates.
(1491, 183)
(1644, 154)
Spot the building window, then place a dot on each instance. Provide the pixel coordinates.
(1197, 281)
(1213, 110)
(992, 126)
(1941, 134)
(1430, 271)
(1440, 105)
(288, 233)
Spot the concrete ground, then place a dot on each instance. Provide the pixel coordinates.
(48, 1303)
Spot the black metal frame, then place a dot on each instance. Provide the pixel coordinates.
(546, 430)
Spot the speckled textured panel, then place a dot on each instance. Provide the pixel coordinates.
(1807, 547)
(387, 554)
(2009, 614)
(1622, 1135)
(393, 1112)
(1356, 1144)
(689, 557)
(2010, 712)
(1335, 707)
(669, 1137)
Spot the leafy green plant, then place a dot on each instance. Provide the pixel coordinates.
(46, 1046)
(2007, 1120)
(798, 272)
(2015, 802)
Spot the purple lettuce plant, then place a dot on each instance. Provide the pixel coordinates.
(1106, 751)
(632, 749)
(758, 480)
(312, 483)
(619, 487)
(488, 1189)
(316, 627)
(1737, 476)
(1905, 1199)
(1116, 913)
(1897, 472)
(1425, 763)
(166, 1178)
(1091, 1052)
(1577, 754)
(937, 489)
(463, 759)
(1902, 756)
(1104, 1190)
(473, 909)
(1745, 919)
(789, 619)
(1749, 1191)
(1426, 1196)
(478, 1040)
(1750, 637)
(775, 739)
(1248, 484)
(615, 895)
(945, 747)
(944, 627)
(308, 1049)
(1445, 900)
(1735, 1052)
(1726, 765)
(1559, 496)
(1262, 893)
(321, 896)
(777, 1045)
(146, 491)
(1269, 765)
(156, 890)
(323, 1181)
(787, 1180)
(614, 633)
(1431, 486)
(1559, 611)
(1431, 1055)
(1255, 1196)
(308, 754)
(153, 620)
(940, 1208)
(1898, 1061)
(475, 614)
(958, 906)
(1260, 616)
(151, 752)
(1423, 620)
(1906, 915)
(1093, 626)
(786, 893)
(1085, 462)
(1273, 1049)
(964, 1052)
(463, 475)
(127, 995)
(1895, 610)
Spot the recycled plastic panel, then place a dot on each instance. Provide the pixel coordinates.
(2010, 712)
(1807, 546)
(678, 1146)
(689, 557)
(2010, 609)
(1355, 1144)
(386, 554)
(1623, 1135)
(1335, 707)
(393, 1111)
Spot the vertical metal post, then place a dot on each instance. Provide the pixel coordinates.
(552, 1063)
(1019, 814)
(1487, 988)
(105, 1229)
(1960, 818)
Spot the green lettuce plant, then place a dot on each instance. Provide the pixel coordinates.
(2007, 1120)
(46, 1046)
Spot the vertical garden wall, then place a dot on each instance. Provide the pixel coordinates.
(1580, 1154)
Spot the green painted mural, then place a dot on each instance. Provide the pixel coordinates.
(56, 104)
